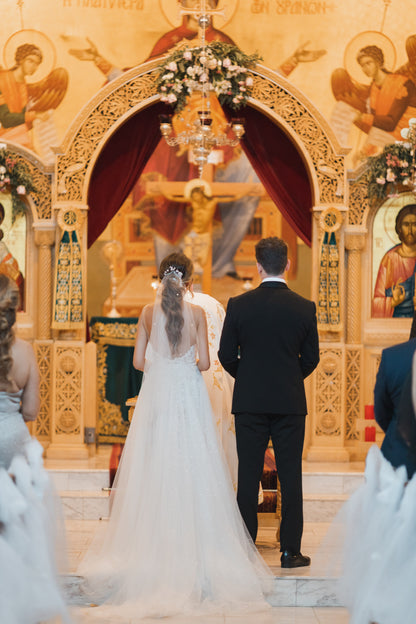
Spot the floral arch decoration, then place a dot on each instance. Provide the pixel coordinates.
(26, 179)
(137, 88)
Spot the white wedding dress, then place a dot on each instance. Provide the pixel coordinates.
(175, 542)
(31, 528)
(371, 546)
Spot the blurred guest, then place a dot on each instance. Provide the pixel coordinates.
(29, 518)
(19, 377)
(395, 366)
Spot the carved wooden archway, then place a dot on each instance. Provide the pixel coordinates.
(324, 161)
(136, 89)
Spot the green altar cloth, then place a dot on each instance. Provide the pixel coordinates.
(117, 379)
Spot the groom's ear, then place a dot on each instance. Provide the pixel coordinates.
(288, 265)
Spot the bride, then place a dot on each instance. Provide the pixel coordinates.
(175, 542)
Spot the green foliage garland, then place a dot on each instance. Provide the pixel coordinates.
(14, 179)
(389, 171)
(219, 64)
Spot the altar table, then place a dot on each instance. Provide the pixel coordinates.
(117, 379)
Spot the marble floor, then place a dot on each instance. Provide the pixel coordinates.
(80, 532)
(276, 615)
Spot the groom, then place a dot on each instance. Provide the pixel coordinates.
(269, 343)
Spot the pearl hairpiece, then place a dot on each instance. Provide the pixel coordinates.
(172, 269)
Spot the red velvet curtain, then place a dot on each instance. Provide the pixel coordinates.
(119, 166)
(280, 168)
(271, 153)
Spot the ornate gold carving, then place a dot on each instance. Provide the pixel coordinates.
(42, 196)
(353, 392)
(44, 239)
(43, 352)
(73, 165)
(328, 393)
(110, 423)
(358, 201)
(329, 167)
(331, 219)
(70, 219)
(355, 241)
(114, 333)
(133, 89)
(68, 389)
(67, 421)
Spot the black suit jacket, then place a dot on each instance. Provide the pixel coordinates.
(395, 366)
(269, 343)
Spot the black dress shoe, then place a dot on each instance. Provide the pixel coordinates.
(294, 560)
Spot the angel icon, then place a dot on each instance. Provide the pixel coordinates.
(26, 105)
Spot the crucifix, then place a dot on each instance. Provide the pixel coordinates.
(195, 130)
(203, 195)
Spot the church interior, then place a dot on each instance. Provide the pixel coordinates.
(103, 172)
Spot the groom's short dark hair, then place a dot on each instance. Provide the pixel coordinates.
(271, 253)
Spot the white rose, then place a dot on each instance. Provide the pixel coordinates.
(3, 169)
(249, 81)
(20, 190)
(187, 55)
(226, 62)
(172, 66)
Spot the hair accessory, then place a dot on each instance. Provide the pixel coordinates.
(172, 269)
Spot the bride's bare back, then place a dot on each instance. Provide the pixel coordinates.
(144, 330)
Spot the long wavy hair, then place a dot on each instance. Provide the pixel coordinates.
(175, 272)
(9, 301)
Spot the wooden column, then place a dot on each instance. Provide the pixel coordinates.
(354, 244)
(44, 239)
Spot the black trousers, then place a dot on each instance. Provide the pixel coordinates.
(287, 432)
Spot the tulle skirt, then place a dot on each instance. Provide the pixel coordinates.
(31, 530)
(175, 542)
(371, 546)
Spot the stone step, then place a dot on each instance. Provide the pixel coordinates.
(288, 591)
(85, 505)
(93, 505)
(88, 479)
(331, 482)
(313, 482)
(322, 507)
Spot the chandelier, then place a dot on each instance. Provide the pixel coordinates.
(409, 134)
(199, 135)
(201, 139)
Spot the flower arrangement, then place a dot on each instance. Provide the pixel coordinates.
(219, 66)
(14, 179)
(389, 171)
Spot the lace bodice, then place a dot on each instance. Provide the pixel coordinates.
(153, 357)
